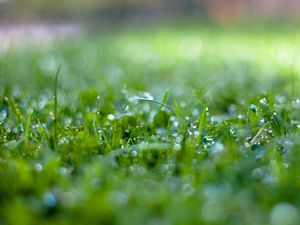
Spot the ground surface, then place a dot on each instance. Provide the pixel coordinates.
(170, 124)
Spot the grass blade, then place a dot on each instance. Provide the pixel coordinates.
(56, 109)
(159, 103)
(27, 129)
(201, 124)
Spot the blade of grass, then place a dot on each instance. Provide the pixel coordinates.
(165, 97)
(96, 114)
(256, 137)
(156, 102)
(56, 109)
(201, 123)
(27, 129)
(15, 108)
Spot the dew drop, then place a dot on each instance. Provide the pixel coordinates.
(50, 199)
(263, 102)
(63, 171)
(177, 147)
(15, 130)
(284, 214)
(195, 112)
(110, 117)
(253, 108)
(134, 153)
(3, 115)
(175, 123)
(196, 133)
(38, 167)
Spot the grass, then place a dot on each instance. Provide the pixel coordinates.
(56, 109)
(114, 147)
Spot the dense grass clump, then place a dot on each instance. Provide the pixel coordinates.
(193, 125)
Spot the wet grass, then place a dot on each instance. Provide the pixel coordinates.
(187, 124)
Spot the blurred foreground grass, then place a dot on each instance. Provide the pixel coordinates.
(221, 146)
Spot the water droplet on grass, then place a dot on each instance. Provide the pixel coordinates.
(261, 121)
(148, 96)
(63, 171)
(3, 115)
(134, 153)
(63, 140)
(232, 109)
(217, 147)
(67, 121)
(284, 214)
(196, 133)
(179, 139)
(177, 147)
(270, 180)
(15, 130)
(110, 117)
(195, 112)
(49, 199)
(263, 102)
(38, 167)
(253, 108)
(258, 173)
(161, 130)
(175, 124)
(21, 127)
(296, 103)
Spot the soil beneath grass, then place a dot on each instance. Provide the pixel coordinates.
(15, 35)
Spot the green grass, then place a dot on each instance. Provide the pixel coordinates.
(186, 124)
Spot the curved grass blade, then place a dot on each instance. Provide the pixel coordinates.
(255, 139)
(158, 103)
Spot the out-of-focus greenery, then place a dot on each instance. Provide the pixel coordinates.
(95, 9)
(184, 124)
(113, 10)
(64, 8)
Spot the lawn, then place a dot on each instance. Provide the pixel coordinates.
(173, 124)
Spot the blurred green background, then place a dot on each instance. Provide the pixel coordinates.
(222, 11)
(206, 53)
